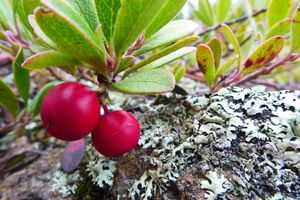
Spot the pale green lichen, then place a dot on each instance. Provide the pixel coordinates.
(245, 118)
(245, 138)
(64, 184)
(100, 168)
(217, 185)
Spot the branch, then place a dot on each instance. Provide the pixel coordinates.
(266, 70)
(235, 21)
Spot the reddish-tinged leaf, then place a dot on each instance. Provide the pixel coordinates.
(206, 63)
(265, 53)
(215, 46)
(73, 155)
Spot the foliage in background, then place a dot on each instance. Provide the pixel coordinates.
(249, 46)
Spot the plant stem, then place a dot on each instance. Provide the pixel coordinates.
(264, 71)
(235, 21)
(105, 108)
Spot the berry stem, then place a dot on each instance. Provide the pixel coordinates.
(106, 111)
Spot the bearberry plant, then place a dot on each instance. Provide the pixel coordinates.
(120, 45)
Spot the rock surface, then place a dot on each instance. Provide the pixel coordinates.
(235, 144)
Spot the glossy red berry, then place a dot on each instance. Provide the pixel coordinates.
(116, 133)
(71, 110)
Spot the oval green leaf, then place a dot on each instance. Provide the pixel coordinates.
(205, 13)
(170, 57)
(134, 16)
(38, 31)
(280, 28)
(107, 14)
(232, 39)
(153, 81)
(180, 44)
(87, 10)
(179, 72)
(8, 99)
(21, 76)
(172, 32)
(226, 66)
(223, 8)
(277, 11)
(167, 13)
(50, 59)
(215, 46)
(71, 33)
(295, 48)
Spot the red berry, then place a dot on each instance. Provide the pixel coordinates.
(116, 133)
(71, 110)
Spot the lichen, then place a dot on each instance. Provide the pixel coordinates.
(63, 183)
(215, 186)
(245, 137)
(234, 128)
(100, 168)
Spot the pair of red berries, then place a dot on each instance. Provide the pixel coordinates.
(70, 111)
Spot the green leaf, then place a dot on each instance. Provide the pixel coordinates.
(179, 72)
(21, 76)
(71, 33)
(226, 66)
(223, 8)
(18, 10)
(167, 13)
(161, 54)
(265, 53)
(277, 11)
(170, 57)
(206, 63)
(280, 28)
(6, 15)
(107, 13)
(205, 13)
(38, 31)
(35, 104)
(30, 5)
(8, 99)
(172, 32)
(232, 39)
(215, 46)
(133, 18)
(50, 59)
(295, 48)
(37, 45)
(87, 10)
(126, 62)
(153, 81)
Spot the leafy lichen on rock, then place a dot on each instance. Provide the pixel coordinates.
(245, 138)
